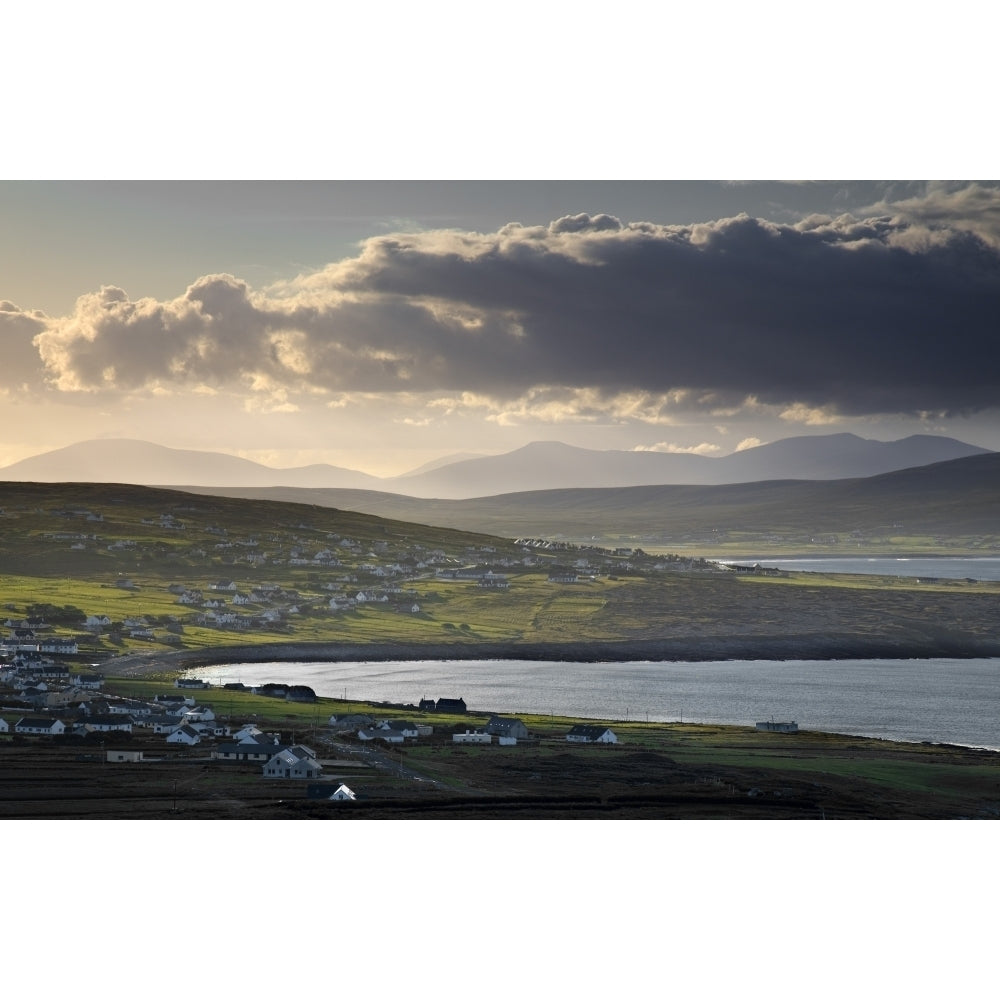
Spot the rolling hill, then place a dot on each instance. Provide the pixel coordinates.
(538, 466)
(958, 499)
(550, 465)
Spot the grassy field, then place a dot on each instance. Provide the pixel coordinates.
(133, 554)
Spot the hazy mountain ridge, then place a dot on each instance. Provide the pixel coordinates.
(956, 498)
(143, 463)
(543, 465)
(550, 465)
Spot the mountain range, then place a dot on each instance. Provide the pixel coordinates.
(955, 502)
(544, 465)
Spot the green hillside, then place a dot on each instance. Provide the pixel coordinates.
(127, 569)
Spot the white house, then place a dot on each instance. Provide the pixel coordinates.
(591, 734)
(4, 726)
(200, 713)
(469, 737)
(35, 726)
(343, 794)
(186, 735)
(389, 735)
(108, 724)
(248, 730)
(293, 762)
(403, 726)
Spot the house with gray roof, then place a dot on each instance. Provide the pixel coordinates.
(591, 734)
(186, 735)
(39, 726)
(293, 762)
(500, 726)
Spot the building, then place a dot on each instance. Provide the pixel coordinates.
(777, 727)
(591, 734)
(499, 726)
(293, 762)
(470, 737)
(37, 726)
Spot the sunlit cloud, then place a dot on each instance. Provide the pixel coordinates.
(666, 447)
(589, 319)
(813, 416)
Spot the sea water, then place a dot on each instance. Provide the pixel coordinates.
(936, 700)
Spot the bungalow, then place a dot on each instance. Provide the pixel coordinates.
(591, 734)
(345, 723)
(388, 735)
(293, 762)
(199, 713)
(36, 726)
(248, 730)
(108, 724)
(403, 726)
(343, 794)
(210, 729)
(186, 735)
(470, 737)
(259, 752)
(90, 682)
(260, 740)
(167, 724)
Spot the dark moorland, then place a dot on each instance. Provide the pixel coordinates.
(657, 772)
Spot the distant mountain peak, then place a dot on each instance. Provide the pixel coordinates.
(539, 465)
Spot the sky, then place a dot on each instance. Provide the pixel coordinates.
(198, 286)
(378, 325)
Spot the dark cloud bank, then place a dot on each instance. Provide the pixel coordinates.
(896, 313)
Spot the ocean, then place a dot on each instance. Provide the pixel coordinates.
(938, 700)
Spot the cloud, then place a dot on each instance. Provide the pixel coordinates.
(22, 369)
(894, 312)
(705, 448)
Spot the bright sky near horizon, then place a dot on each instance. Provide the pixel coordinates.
(382, 324)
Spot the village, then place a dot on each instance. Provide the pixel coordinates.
(62, 707)
(188, 577)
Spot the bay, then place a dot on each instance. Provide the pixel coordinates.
(943, 567)
(940, 700)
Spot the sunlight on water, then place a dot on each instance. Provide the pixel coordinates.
(943, 701)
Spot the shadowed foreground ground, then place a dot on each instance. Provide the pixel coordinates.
(668, 771)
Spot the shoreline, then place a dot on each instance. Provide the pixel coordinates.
(691, 650)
